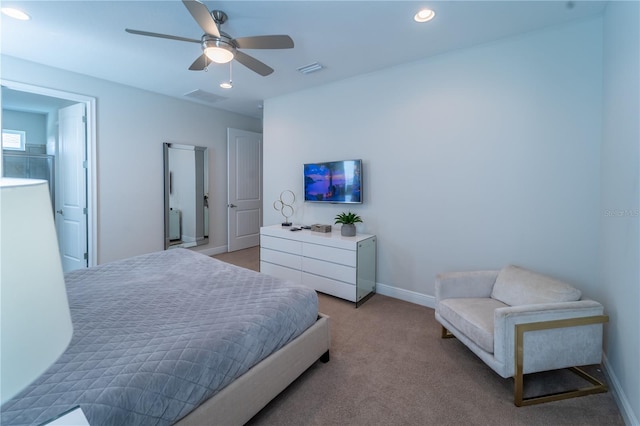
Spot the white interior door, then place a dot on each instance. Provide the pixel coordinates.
(244, 199)
(71, 189)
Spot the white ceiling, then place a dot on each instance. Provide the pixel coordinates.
(348, 38)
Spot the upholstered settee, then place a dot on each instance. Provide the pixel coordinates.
(518, 322)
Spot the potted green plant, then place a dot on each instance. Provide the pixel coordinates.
(348, 221)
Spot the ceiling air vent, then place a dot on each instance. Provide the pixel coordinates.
(203, 96)
(307, 69)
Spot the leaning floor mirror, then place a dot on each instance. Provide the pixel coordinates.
(186, 196)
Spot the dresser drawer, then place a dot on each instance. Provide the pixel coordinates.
(281, 272)
(281, 258)
(330, 254)
(329, 286)
(281, 244)
(331, 270)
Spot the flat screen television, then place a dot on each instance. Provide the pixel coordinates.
(337, 182)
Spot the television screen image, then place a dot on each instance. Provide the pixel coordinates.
(333, 182)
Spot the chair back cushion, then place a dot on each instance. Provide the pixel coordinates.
(518, 286)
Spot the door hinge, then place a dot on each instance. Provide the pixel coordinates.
(84, 210)
(85, 165)
(86, 256)
(84, 118)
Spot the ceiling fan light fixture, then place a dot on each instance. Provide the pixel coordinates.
(218, 51)
(218, 55)
(424, 15)
(219, 47)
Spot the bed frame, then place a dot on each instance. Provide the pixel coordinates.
(242, 399)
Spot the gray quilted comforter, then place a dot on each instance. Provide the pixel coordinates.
(158, 334)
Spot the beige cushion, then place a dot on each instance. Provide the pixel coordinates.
(473, 317)
(517, 286)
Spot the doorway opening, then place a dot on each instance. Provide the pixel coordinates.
(81, 238)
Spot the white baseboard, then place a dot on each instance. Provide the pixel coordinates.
(619, 396)
(406, 295)
(212, 251)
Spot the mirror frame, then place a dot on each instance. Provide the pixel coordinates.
(201, 169)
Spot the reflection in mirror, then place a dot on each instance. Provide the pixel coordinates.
(186, 194)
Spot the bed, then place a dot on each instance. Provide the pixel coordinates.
(176, 337)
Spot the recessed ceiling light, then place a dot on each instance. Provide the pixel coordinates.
(424, 15)
(15, 13)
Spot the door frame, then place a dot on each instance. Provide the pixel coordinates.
(92, 202)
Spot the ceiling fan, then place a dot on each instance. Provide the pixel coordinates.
(220, 47)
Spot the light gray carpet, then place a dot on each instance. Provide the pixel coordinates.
(247, 258)
(389, 366)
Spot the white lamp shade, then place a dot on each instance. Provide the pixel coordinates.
(35, 319)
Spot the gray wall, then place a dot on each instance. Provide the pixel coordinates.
(619, 276)
(475, 159)
(132, 124)
(472, 159)
(34, 124)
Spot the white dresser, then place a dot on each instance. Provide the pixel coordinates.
(327, 262)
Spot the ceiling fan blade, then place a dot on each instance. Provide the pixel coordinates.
(170, 37)
(202, 16)
(201, 63)
(253, 64)
(265, 42)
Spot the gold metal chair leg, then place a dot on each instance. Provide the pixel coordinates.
(446, 334)
(598, 387)
(519, 400)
